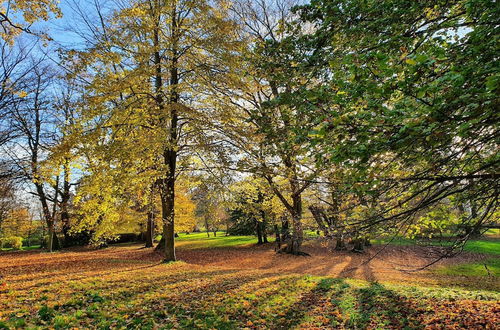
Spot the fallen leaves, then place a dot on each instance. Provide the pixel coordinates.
(127, 287)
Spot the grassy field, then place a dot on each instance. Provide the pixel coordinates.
(129, 287)
(201, 240)
(24, 248)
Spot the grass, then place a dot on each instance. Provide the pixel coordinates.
(24, 248)
(200, 240)
(483, 246)
(486, 246)
(488, 267)
(87, 290)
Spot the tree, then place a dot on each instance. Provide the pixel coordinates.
(254, 206)
(31, 121)
(211, 203)
(151, 65)
(407, 102)
(18, 222)
(18, 16)
(270, 134)
(184, 208)
(7, 199)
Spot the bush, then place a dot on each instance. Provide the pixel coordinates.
(13, 242)
(127, 238)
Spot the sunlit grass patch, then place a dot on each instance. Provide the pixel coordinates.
(24, 248)
(201, 240)
(483, 246)
(486, 246)
(488, 267)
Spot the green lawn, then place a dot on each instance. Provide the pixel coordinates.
(483, 246)
(200, 240)
(488, 267)
(487, 246)
(24, 248)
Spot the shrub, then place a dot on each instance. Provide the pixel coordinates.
(13, 242)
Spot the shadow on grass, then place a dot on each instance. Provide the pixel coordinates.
(335, 303)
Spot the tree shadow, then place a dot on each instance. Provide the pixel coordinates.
(309, 300)
(378, 306)
(355, 264)
(334, 303)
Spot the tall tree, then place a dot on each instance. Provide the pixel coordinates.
(414, 87)
(32, 120)
(152, 65)
(268, 128)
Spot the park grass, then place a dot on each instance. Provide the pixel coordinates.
(484, 245)
(202, 241)
(487, 267)
(126, 287)
(24, 248)
(87, 290)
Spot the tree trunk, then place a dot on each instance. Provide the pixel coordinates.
(278, 237)
(297, 236)
(258, 230)
(285, 231)
(358, 245)
(295, 241)
(150, 229)
(167, 205)
(52, 241)
(65, 196)
(65, 225)
(167, 186)
(318, 216)
(263, 223)
(264, 233)
(340, 245)
(206, 225)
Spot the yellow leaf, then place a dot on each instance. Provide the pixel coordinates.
(411, 61)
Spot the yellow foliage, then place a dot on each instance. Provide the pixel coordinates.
(30, 11)
(17, 223)
(185, 218)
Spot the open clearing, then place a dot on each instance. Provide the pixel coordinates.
(243, 286)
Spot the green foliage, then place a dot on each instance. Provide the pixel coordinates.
(404, 98)
(240, 223)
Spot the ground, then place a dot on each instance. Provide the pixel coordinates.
(229, 282)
